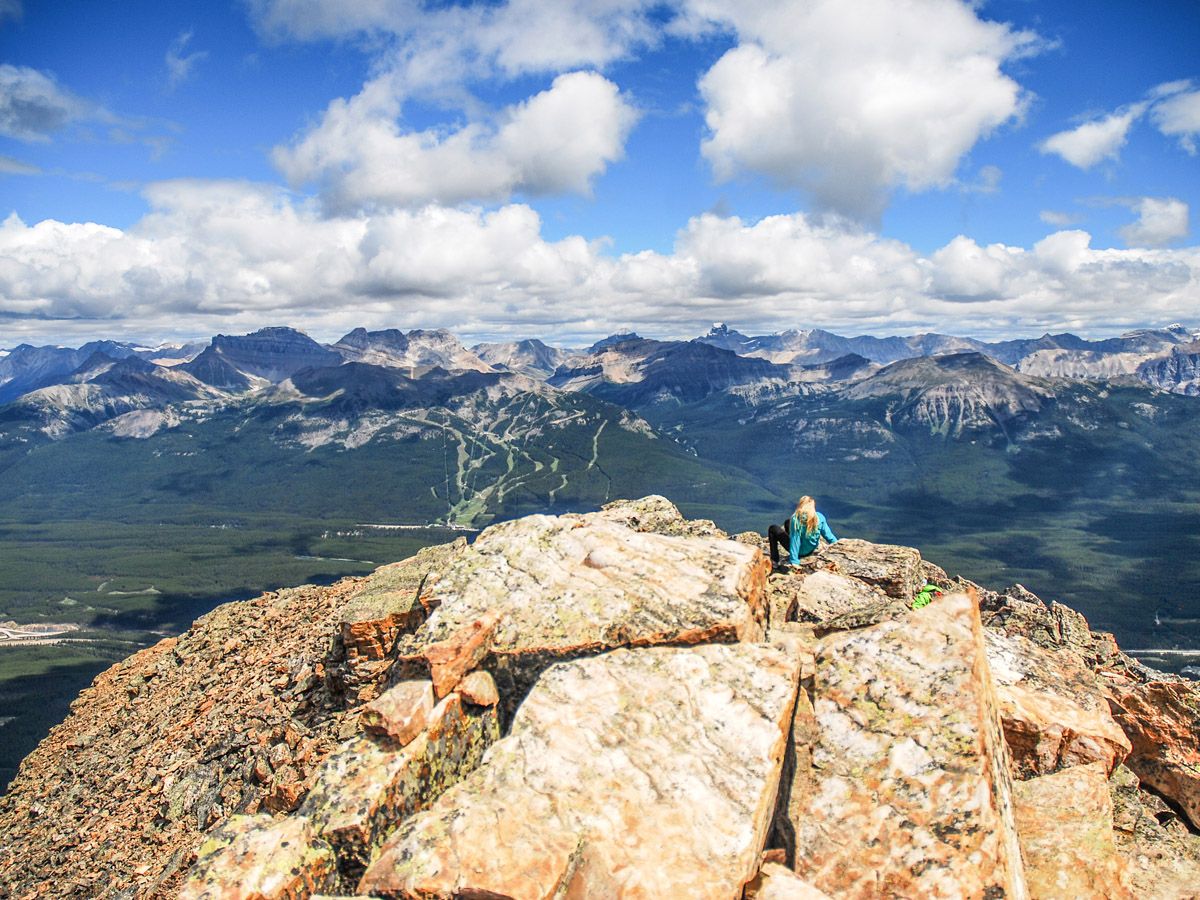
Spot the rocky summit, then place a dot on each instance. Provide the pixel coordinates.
(620, 704)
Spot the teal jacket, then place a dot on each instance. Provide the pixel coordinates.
(803, 542)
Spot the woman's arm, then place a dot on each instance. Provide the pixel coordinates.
(827, 532)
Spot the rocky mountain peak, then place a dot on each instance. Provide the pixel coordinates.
(613, 340)
(530, 357)
(269, 355)
(955, 393)
(417, 349)
(623, 703)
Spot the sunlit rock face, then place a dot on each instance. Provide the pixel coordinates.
(639, 773)
(569, 586)
(1066, 825)
(912, 793)
(1162, 719)
(1053, 708)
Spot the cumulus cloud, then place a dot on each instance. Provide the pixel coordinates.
(180, 64)
(229, 256)
(1179, 116)
(360, 155)
(848, 99)
(1094, 141)
(464, 41)
(555, 141)
(33, 105)
(1160, 220)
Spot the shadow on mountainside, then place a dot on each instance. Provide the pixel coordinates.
(36, 703)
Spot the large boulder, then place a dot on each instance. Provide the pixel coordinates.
(568, 586)
(1052, 707)
(658, 515)
(1162, 856)
(639, 773)
(820, 595)
(912, 787)
(256, 858)
(1162, 720)
(894, 570)
(367, 788)
(1065, 821)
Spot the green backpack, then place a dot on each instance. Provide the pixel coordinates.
(927, 595)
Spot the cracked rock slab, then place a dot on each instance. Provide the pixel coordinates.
(1066, 825)
(913, 793)
(639, 773)
(570, 586)
(1052, 707)
(893, 569)
(822, 594)
(1162, 720)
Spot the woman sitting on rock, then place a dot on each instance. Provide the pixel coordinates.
(801, 534)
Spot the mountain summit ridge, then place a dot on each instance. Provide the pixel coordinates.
(320, 740)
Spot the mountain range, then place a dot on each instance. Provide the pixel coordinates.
(69, 389)
(1063, 461)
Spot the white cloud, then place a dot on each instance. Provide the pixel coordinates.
(11, 9)
(232, 256)
(1179, 116)
(10, 166)
(32, 104)
(179, 64)
(1058, 219)
(1092, 142)
(1160, 221)
(849, 99)
(555, 141)
(459, 42)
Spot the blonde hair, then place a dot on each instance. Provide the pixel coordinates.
(806, 513)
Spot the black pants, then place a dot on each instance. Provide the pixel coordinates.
(780, 534)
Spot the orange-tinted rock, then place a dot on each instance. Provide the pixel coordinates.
(169, 743)
(1052, 707)
(479, 688)
(894, 570)
(1162, 721)
(912, 794)
(820, 595)
(1065, 821)
(637, 773)
(257, 858)
(452, 658)
(368, 788)
(1162, 857)
(400, 713)
(386, 605)
(776, 882)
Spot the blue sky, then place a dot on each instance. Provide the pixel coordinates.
(568, 169)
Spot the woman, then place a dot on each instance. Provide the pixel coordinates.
(802, 533)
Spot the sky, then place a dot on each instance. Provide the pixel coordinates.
(569, 169)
